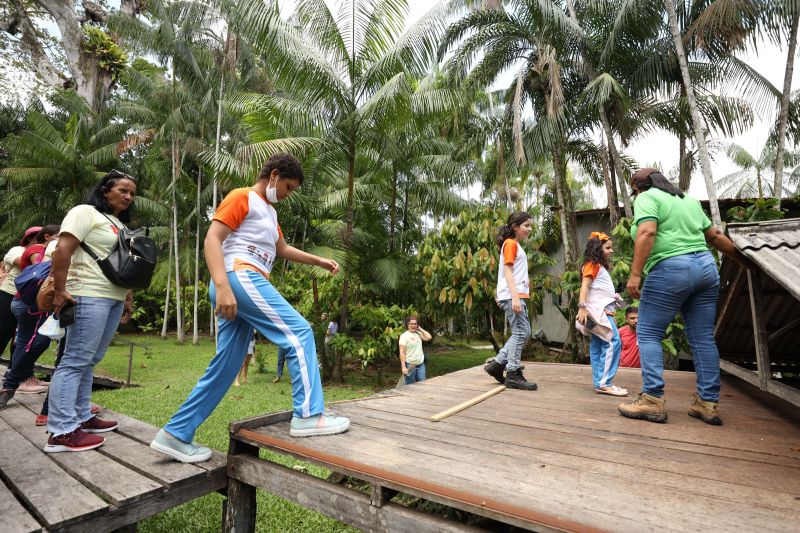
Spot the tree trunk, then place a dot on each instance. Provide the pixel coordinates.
(611, 197)
(19, 21)
(166, 299)
(683, 168)
(760, 186)
(195, 329)
(338, 371)
(616, 161)
(212, 318)
(617, 164)
(89, 80)
(697, 121)
(393, 211)
(178, 306)
(566, 212)
(784, 114)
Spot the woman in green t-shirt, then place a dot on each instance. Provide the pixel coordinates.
(672, 237)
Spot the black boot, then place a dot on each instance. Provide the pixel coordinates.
(5, 396)
(495, 369)
(515, 380)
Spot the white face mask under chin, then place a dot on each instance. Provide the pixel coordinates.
(272, 195)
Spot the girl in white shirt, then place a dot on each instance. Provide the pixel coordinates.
(512, 294)
(597, 302)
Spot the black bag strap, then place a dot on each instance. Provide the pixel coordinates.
(89, 251)
(86, 246)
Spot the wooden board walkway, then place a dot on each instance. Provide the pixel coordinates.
(558, 459)
(103, 381)
(109, 488)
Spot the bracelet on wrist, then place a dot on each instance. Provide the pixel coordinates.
(581, 306)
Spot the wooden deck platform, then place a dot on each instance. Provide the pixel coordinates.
(560, 458)
(109, 488)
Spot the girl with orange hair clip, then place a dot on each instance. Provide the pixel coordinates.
(596, 304)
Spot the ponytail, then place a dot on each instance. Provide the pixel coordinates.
(506, 231)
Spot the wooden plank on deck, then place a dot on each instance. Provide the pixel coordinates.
(564, 451)
(117, 483)
(14, 516)
(57, 498)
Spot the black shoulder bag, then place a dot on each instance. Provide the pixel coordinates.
(132, 259)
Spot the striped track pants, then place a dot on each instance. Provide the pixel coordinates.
(260, 306)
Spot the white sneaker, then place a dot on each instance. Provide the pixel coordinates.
(322, 424)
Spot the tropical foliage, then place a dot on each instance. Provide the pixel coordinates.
(417, 138)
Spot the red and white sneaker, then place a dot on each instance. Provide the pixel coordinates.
(98, 425)
(77, 441)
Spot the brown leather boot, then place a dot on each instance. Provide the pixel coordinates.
(645, 407)
(706, 411)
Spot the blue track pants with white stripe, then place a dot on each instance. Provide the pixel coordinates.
(259, 306)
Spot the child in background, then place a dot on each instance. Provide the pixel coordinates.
(596, 305)
(512, 294)
(241, 377)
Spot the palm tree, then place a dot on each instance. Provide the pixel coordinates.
(535, 35)
(337, 75)
(788, 15)
(757, 175)
(57, 159)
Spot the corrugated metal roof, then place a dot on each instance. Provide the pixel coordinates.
(775, 247)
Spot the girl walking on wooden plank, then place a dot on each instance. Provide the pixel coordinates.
(240, 248)
(512, 294)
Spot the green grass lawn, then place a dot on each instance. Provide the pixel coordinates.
(168, 373)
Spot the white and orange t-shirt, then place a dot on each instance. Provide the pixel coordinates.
(511, 253)
(602, 288)
(255, 231)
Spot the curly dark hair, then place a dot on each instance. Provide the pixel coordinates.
(506, 231)
(97, 196)
(287, 165)
(594, 253)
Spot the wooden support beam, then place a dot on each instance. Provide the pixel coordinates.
(730, 302)
(465, 405)
(380, 495)
(778, 333)
(240, 508)
(759, 329)
(339, 502)
(785, 392)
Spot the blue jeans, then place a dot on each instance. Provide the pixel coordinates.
(418, 374)
(96, 321)
(520, 333)
(281, 360)
(688, 284)
(29, 344)
(605, 357)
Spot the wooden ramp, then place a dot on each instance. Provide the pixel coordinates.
(560, 458)
(109, 488)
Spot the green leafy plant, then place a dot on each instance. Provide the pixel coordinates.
(757, 210)
(110, 56)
